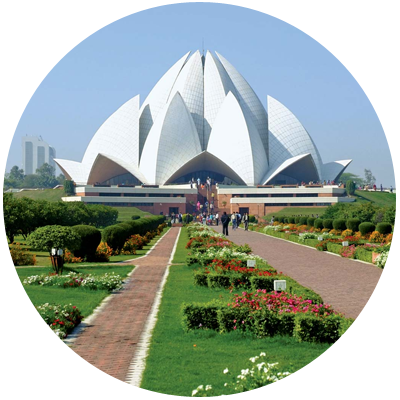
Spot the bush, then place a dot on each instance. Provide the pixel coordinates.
(200, 278)
(384, 228)
(296, 220)
(90, 239)
(286, 220)
(218, 281)
(69, 188)
(350, 187)
(227, 318)
(366, 227)
(262, 282)
(252, 218)
(135, 217)
(302, 221)
(310, 221)
(363, 254)
(200, 316)
(308, 328)
(353, 224)
(292, 220)
(20, 256)
(328, 223)
(339, 224)
(103, 252)
(319, 223)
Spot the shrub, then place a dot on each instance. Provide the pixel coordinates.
(353, 224)
(200, 316)
(90, 239)
(328, 223)
(350, 187)
(363, 254)
(103, 252)
(262, 282)
(200, 278)
(70, 259)
(292, 220)
(303, 221)
(310, 221)
(308, 328)
(376, 237)
(20, 256)
(339, 224)
(296, 220)
(69, 188)
(286, 220)
(384, 228)
(319, 223)
(218, 281)
(347, 232)
(135, 217)
(252, 218)
(366, 227)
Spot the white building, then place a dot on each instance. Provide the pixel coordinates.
(35, 153)
(201, 119)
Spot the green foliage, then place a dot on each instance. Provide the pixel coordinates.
(339, 224)
(363, 254)
(363, 211)
(297, 220)
(262, 282)
(328, 223)
(353, 224)
(348, 176)
(218, 281)
(54, 236)
(45, 176)
(303, 221)
(308, 328)
(135, 217)
(384, 228)
(350, 188)
(292, 220)
(14, 178)
(310, 221)
(369, 178)
(319, 223)
(366, 227)
(200, 316)
(390, 215)
(252, 218)
(69, 188)
(21, 256)
(90, 239)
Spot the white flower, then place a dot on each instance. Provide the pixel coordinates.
(262, 354)
(201, 387)
(194, 393)
(208, 387)
(225, 384)
(226, 370)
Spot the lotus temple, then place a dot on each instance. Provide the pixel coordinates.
(203, 120)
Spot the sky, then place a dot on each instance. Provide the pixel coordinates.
(129, 56)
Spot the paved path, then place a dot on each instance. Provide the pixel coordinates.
(110, 341)
(345, 284)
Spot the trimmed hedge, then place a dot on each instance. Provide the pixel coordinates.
(199, 315)
(296, 220)
(384, 228)
(303, 221)
(319, 223)
(90, 239)
(310, 221)
(353, 224)
(363, 254)
(252, 218)
(334, 247)
(339, 224)
(116, 235)
(308, 328)
(328, 223)
(366, 227)
(292, 220)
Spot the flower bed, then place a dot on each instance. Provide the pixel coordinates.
(268, 314)
(109, 281)
(51, 320)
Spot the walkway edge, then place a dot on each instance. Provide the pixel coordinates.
(69, 341)
(138, 363)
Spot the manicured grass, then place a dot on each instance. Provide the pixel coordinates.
(380, 198)
(181, 251)
(20, 351)
(179, 362)
(46, 194)
(125, 213)
(289, 211)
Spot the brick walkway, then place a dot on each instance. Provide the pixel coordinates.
(110, 341)
(345, 284)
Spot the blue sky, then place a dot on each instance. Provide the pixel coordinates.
(128, 57)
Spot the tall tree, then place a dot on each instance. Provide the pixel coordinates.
(14, 178)
(369, 178)
(348, 176)
(46, 178)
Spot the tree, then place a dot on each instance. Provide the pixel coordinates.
(369, 178)
(45, 176)
(69, 188)
(60, 179)
(14, 178)
(348, 176)
(350, 188)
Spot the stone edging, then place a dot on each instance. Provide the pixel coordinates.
(70, 339)
(138, 363)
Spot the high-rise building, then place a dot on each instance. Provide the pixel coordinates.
(35, 153)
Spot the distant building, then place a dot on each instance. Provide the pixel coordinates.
(35, 153)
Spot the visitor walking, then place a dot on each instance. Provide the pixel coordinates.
(198, 183)
(381, 188)
(234, 221)
(217, 218)
(246, 221)
(225, 222)
(272, 220)
(180, 218)
(238, 219)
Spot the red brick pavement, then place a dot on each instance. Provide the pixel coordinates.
(345, 284)
(110, 341)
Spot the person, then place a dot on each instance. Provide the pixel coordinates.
(225, 223)
(391, 189)
(172, 218)
(374, 187)
(187, 218)
(272, 220)
(246, 221)
(180, 217)
(198, 182)
(191, 184)
(234, 221)
(238, 219)
(381, 188)
(217, 218)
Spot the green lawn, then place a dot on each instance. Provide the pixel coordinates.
(20, 351)
(125, 213)
(181, 252)
(380, 198)
(199, 358)
(46, 194)
(290, 211)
